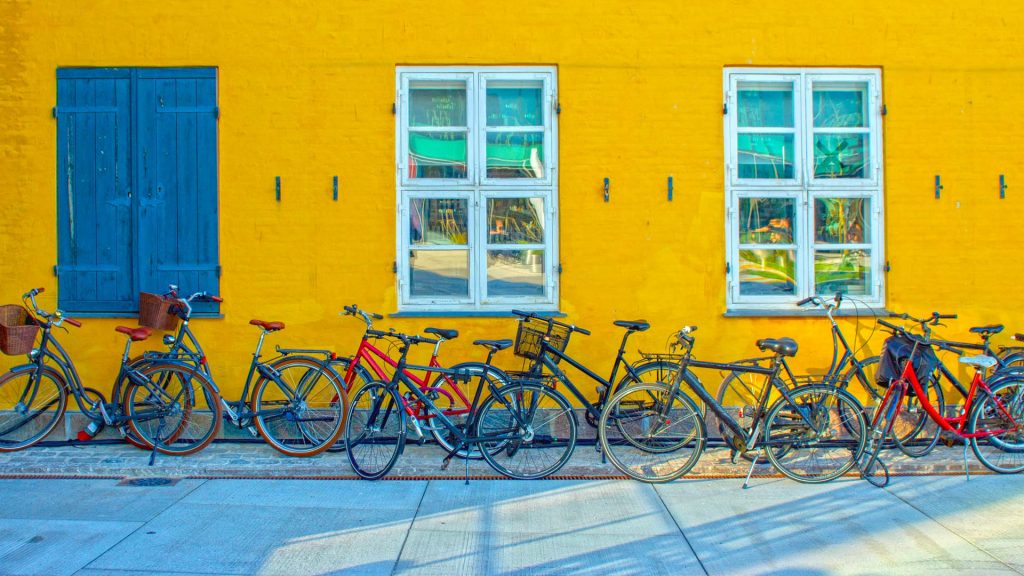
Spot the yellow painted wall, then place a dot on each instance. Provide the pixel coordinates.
(306, 91)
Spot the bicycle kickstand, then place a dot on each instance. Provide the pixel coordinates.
(746, 482)
(152, 455)
(967, 470)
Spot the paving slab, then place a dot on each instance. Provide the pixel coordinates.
(259, 532)
(88, 499)
(55, 547)
(544, 527)
(987, 511)
(845, 527)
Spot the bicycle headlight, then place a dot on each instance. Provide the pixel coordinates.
(34, 354)
(168, 340)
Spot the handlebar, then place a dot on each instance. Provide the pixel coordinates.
(932, 320)
(571, 327)
(368, 317)
(819, 301)
(925, 340)
(405, 338)
(56, 318)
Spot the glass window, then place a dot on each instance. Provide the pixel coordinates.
(477, 196)
(804, 185)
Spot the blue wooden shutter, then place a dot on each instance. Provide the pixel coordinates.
(177, 147)
(94, 215)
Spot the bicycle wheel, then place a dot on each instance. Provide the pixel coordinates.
(173, 407)
(649, 436)
(302, 411)
(914, 432)
(456, 409)
(137, 363)
(739, 394)
(873, 469)
(655, 371)
(809, 439)
(1001, 416)
(31, 406)
(535, 424)
(375, 434)
(360, 377)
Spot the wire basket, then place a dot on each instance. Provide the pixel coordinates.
(533, 331)
(17, 330)
(155, 312)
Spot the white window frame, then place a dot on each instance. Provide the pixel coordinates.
(477, 188)
(804, 188)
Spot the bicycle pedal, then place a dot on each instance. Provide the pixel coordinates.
(446, 462)
(732, 455)
(252, 430)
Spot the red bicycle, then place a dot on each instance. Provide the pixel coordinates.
(453, 394)
(991, 420)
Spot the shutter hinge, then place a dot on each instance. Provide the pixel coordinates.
(54, 111)
(216, 112)
(886, 266)
(558, 107)
(725, 108)
(394, 266)
(54, 269)
(559, 270)
(218, 270)
(394, 108)
(884, 110)
(728, 268)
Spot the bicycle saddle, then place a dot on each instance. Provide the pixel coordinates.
(495, 345)
(638, 325)
(784, 346)
(446, 334)
(136, 334)
(990, 329)
(982, 361)
(268, 326)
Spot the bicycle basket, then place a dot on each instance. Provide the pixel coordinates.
(17, 330)
(533, 331)
(155, 312)
(896, 352)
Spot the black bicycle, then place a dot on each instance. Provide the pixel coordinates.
(655, 433)
(523, 429)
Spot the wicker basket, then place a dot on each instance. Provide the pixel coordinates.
(533, 331)
(17, 330)
(155, 312)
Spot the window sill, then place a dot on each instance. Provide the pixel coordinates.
(470, 314)
(812, 313)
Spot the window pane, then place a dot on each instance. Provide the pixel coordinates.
(515, 154)
(767, 220)
(842, 220)
(767, 156)
(840, 155)
(515, 272)
(846, 271)
(443, 273)
(840, 105)
(437, 154)
(438, 222)
(767, 272)
(437, 104)
(515, 103)
(515, 220)
(765, 105)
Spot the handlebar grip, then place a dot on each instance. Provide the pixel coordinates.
(33, 292)
(581, 330)
(897, 315)
(524, 314)
(805, 301)
(889, 326)
(421, 339)
(376, 316)
(946, 316)
(73, 322)
(1018, 337)
(350, 309)
(839, 298)
(215, 298)
(378, 333)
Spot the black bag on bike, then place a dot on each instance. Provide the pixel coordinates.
(896, 352)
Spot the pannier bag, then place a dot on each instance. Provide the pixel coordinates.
(896, 352)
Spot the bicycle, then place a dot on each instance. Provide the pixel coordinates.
(524, 430)
(542, 342)
(294, 401)
(739, 391)
(168, 406)
(993, 413)
(654, 432)
(444, 391)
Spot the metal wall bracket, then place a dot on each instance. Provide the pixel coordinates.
(335, 188)
(277, 188)
(607, 186)
(938, 186)
(1002, 186)
(669, 188)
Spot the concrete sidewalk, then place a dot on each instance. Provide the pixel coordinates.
(599, 527)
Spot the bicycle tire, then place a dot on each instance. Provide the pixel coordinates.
(360, 377)
(539, 450)
(915, 433)
(183, 417)
(643, 440)
(375, 430)
(812, 455)
(873, 469)
(137, 363)
(1003, 452)
(478, 372)
(310, 417)
(20, 425)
